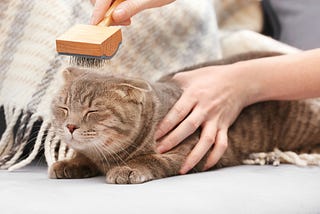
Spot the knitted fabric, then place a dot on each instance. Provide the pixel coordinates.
(159, 41)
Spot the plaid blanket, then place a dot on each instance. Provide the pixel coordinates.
(158, 41)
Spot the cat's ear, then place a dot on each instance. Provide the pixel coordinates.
(139, 85)
(70, 73)
(135, 90)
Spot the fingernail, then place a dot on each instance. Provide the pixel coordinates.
(119, 14)
(184, 169)
(160, 149)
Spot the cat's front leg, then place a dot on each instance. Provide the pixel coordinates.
(77, 167)
(145, 168)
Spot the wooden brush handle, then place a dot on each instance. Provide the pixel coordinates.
(107, 21)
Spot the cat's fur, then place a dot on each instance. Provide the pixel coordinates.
(113, 120)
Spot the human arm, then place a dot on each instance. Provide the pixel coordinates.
(287, 77)
(124, 11)
(214, 96)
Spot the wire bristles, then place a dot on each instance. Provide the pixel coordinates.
(89, 61)
(84, 61)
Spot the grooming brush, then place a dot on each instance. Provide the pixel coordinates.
(91, 45)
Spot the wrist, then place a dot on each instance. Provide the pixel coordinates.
(247, 83)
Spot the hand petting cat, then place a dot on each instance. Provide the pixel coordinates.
(209, 102)
(214, 96)
(124, 11)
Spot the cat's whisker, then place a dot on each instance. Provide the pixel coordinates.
(103, 148)
(100, 153)
(120, 147)
(111, 153)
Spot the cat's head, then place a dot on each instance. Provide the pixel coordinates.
(98, 113)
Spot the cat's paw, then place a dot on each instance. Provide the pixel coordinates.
(67, 169)
(127, 175)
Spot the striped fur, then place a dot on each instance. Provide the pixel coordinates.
(116, 117)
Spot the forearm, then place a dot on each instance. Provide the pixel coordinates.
(287, 77)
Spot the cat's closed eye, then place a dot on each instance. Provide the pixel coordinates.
(61, 111)
(91, 114)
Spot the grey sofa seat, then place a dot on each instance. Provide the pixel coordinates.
(243, 189)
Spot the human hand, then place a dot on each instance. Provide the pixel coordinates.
(212, 99)
(124, 11)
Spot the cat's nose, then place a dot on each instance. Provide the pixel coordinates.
(72, 127)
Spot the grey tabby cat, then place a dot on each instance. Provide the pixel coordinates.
(110, 123)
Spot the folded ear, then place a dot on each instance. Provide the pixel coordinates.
(135, 90)
(70, 73)
(139, 85)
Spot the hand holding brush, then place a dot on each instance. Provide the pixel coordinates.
(124, 11)
(90, 45)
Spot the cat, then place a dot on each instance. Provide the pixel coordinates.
(110, 122)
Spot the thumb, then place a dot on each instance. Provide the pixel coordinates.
(129, 8)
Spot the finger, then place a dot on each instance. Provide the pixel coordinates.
(207, 139)
(177, 113)
(220, 147)
(127, 9)
(125, 23)
(185, 128)
(99, 11)
(93, 2)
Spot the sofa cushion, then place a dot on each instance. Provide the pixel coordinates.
(297, 20)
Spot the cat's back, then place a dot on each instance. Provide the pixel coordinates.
(287, 125)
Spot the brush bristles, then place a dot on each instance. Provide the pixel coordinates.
(87, 61)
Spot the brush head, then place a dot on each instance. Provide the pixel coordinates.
(89, 43)
(89, 61)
